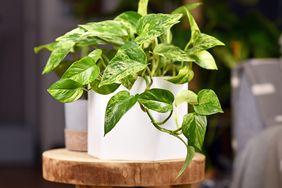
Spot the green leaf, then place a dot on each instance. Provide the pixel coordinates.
(172, 53)
(50, 47)
(66, 90)
(188, 159)
(184, 75)
(81, 38)
(83, 71)
(159, 100)
(195, 31)
(208, 103)
(188, 6)
(62, 67)
(117, 106)
(204, 42)
(61, 50)
(186, 96)
(129, 19)
(142, 7)
(167, 37)
(88, 39)
(205, 60)
(129, 60)
(103, 90)
(152, 26)
(194, 129)
(95, 54)
(72, 35)
(129, 81)
(111, 31)
(199, 41)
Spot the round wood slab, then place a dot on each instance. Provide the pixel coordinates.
(78, 168)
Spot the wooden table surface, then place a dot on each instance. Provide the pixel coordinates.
(82, 170)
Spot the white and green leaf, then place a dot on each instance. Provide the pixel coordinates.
(186, 96)
(208, 103)
(205, 60)
(188, 6)
(95, 54)
(50, 47)
(66, 90)
(204, 42)
(195, 31)
(111, 31)
(184, 75)
(117, 106)
(60, 51)
(172, 53)
(152, 26)
(194, 129)
(72, 35)
(83, 71)
(189, 156)
(103, 90)
(159, 100)
(129, 60)
(62, 67)
(129, 19)
(129, 81)
(89, 39)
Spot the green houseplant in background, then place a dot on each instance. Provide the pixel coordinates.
(138, 45)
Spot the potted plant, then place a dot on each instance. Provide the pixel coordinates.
(76, 112)
(137, 83)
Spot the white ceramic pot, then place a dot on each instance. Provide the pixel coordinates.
(76, 125)
(134, 137)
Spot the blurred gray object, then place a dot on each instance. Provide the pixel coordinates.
(256, 99)
(257, 114)
(259, 165)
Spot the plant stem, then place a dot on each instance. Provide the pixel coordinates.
(149, 83)
(164, 121)
(176, 118)
(173, 133)
(103, 63)
(156, 124)
(105, 58)
(177, 131)
(84, 51)
(142, 7)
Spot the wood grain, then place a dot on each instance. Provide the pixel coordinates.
(78, 168)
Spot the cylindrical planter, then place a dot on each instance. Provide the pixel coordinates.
(76, 125)
(134, 137)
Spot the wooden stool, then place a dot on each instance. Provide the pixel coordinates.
(80, 169)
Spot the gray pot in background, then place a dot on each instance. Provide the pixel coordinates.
(76, 125)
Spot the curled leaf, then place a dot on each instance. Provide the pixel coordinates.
(186, 96)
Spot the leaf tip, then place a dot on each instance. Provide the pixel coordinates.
(36, 50)
(45, 71)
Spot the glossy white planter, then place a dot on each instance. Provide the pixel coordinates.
(76, 125)
(134, 137)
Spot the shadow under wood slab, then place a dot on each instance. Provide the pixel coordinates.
(80, 169)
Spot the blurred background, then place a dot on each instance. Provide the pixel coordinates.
(31, 121)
